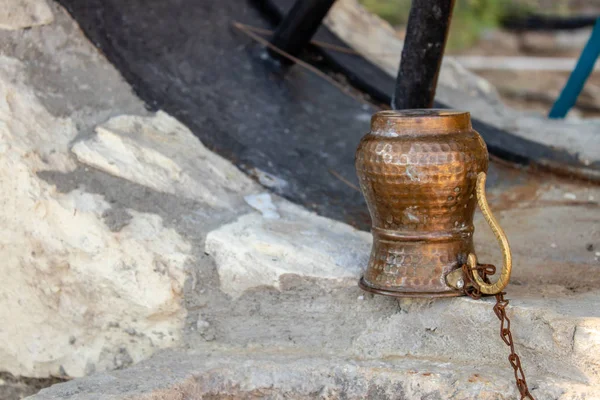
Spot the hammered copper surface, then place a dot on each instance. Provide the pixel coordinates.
(417, 170)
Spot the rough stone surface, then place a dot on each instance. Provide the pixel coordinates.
(94, 279)
(264, 203)
(161, 153)
(108, 259)
(12, 387)
(19, 14)
(93, 267)
(68, 75)
(304, 337)
(255, 251)
(250, 374)
(80, 296)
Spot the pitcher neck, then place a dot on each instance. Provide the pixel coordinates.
(393, 123)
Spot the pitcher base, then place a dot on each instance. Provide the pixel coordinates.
(386, 292)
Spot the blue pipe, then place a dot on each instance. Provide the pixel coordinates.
(583, 69)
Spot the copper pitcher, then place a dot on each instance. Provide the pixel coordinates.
(422, 173)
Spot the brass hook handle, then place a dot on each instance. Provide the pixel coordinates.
(502, 281)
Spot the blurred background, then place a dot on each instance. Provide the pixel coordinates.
(486, 28)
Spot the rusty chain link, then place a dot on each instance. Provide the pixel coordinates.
(472, 290)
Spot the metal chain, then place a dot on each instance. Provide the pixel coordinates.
(471, 287)
(472, 290)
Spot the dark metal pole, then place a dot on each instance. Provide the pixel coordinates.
(298, 26)
(426, 35)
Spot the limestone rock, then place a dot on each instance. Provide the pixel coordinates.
(264, 203)
(29, 133)
(254, 251)
(161, 153)
(69, 75)
(19, 14)
(75, 296)
(248, 375)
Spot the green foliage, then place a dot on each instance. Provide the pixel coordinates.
(469, 20)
